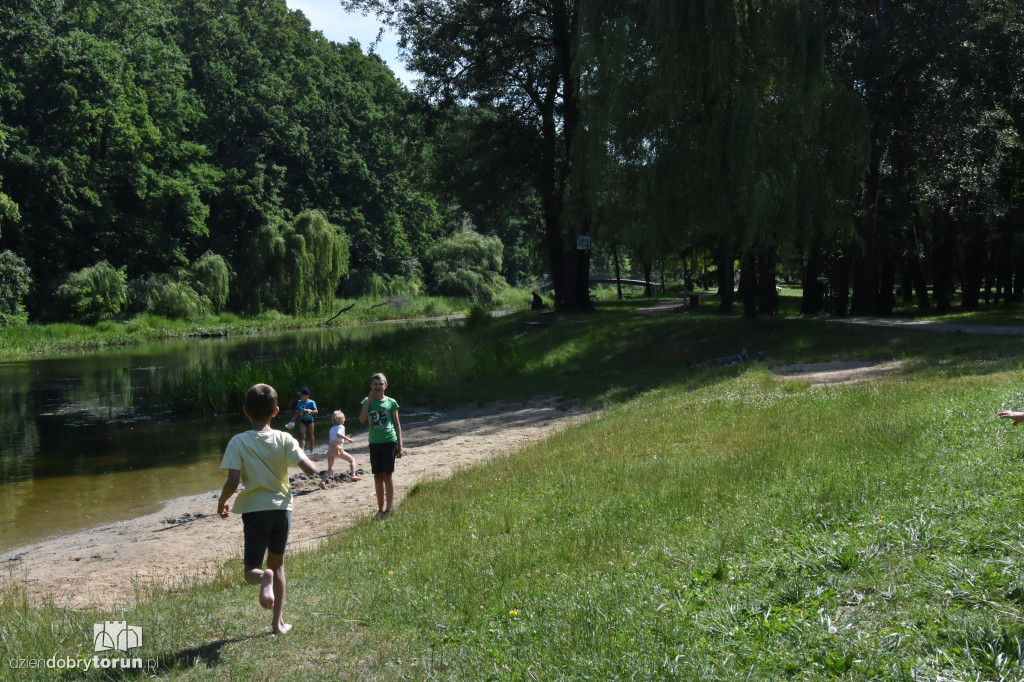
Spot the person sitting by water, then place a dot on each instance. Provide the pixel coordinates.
(537, 303)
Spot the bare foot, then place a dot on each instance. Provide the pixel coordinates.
(356, 478)
(267, 590)
(282, 629)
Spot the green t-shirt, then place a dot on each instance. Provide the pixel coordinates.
(263, 457)
(382, 428)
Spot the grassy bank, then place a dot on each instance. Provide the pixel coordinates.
(23, 339)
(713, 523)
(600, 358)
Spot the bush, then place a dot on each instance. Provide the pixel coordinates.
(367, 283)
(15, 282)
(211, 278)
(168, 297)
(95, 293)
(465, 265)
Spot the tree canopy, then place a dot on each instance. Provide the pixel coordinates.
(869, 150)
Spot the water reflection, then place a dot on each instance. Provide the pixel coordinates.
(87, 439)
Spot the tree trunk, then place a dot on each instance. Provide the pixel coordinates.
(726, 276)
(920, 285)
(768, 295)
(748, 285)
(943, 261)
(973, 267)
(886, 284)
(618, 272)
(811, 301)
(839, 297)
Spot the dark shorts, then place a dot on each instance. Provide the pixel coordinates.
(265, 530)
(305, 421)
(382, 457)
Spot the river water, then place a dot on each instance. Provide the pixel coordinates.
(86, 440)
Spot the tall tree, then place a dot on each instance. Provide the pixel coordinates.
(515, 59)
(706, 124)
(935, 80)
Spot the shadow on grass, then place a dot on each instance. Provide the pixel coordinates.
(613, 356)
(207, 656)
(599, 358)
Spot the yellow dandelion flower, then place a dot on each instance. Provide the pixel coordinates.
(513, 613)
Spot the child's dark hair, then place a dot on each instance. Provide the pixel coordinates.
(260, 402)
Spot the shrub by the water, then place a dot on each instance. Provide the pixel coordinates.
(15, 282)
(211, 278)
(165, 296)
(466, 265)
(95, 293)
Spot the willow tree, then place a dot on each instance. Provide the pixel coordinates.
(698, 118)
(316, 258)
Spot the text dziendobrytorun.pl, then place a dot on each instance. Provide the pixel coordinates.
(71, 663)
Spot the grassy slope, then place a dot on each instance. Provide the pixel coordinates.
(710, 524)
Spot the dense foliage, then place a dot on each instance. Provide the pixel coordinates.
(871, 151)
(147, 134)
(15, 283)
(466, 265)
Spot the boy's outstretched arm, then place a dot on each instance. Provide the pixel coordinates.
(230, 486)
(309, 468)
(1015, 417)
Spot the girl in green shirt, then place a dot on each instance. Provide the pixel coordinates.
(385, 440)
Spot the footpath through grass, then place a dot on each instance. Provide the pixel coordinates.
(716, 524)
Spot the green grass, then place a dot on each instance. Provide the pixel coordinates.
(22, 338)
(711, 523)
(600, 358)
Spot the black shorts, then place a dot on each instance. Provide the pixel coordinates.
(265, 530)
(382, 457)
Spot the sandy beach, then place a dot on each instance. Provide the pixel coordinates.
(187, 538)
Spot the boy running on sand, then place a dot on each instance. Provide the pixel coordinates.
(336, 447)
(259, 459)
(385, 440)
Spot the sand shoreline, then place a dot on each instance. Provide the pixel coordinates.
(185, 539)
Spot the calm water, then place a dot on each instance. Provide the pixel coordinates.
(85, 439)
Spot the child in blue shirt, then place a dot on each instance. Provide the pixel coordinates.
(305, 410)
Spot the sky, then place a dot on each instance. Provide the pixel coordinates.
(327, 17)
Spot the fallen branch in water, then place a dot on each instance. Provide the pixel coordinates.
(343, 310)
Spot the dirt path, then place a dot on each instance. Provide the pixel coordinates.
(188, 538)
(934, 325)
(841, 372)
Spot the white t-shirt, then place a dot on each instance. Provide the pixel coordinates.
(337, 432)
(263, 458)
